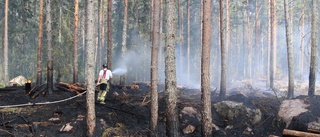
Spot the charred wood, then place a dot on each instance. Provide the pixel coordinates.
(72, 86)
(34, 92)
(314, 130)
(299, 133)
(8, 89)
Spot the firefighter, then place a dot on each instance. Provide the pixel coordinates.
(103, 80)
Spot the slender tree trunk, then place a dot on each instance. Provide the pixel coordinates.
(83, 20)
(289, 50)
(75, 42)
(188, 44)
(49, 48)
(313, 58)
(243, 50)
(239, 64)
(228, 37)
(161, 45)
(258, 48)
(172, 120)
(5, 48)
(109, 41)
(269, 44)
(124, 37)
(301, 68)
(90, 67)
(150, 19)
(273, 42)
(39, 70)
(249, 43)
(136, 25)
(102, 31)
(206, 123)
(154, 68)
(98, 45)
(181, 40)
(60, 26)
(223, 87)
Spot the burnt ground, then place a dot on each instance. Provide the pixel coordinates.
(127, 113)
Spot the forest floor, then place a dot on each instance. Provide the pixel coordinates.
(127, 113)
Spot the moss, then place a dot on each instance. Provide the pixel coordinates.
(2, 86)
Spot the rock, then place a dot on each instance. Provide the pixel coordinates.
(54, 119)
(302, 121)
(314, 125)
(228, 127)
(248, 131)
(20, 80)
(291, 108)
(235, 112)
(189, 129)
(190, 111)
(66, 128)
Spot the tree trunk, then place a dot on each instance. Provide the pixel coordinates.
(259, 49)
(39, 70)
(98, 45)
(172, 120)
(83, 35)
(301, 68)
(223, 54)
(124, 37)
(49, 48)
(109, 41)
(75, 42)
(5, 48)
(150, 19)
(188, 44)
(273, 41)
(90, 67)
(206, 123)
(269, 44)
(60, 26)
(243, 49)
(313, 58)
(154, 68)
(161, 46)
(181, 40)
(102, 32)
(289, 50)
(249, 43)
(228, 37)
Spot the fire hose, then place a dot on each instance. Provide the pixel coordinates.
(42, 103)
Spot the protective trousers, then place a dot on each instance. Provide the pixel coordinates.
(104, 89)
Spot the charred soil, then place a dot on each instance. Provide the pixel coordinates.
(127, 113)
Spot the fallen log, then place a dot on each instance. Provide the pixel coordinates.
(299, 133)
(34, 92)
(45, 124)
(314, 130)
(72, 86)
(125, 87)
(8, 89)
(4, 123)
(68, 90)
